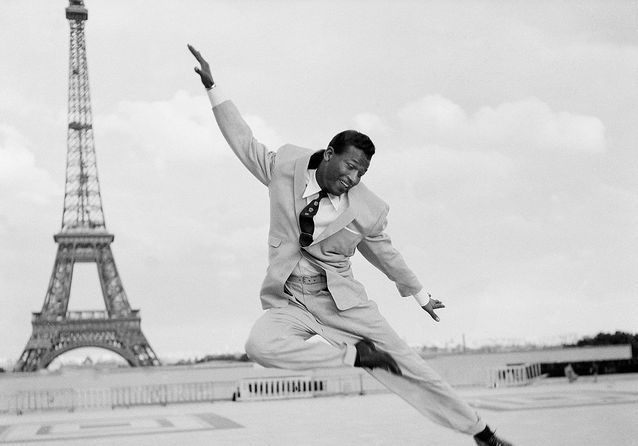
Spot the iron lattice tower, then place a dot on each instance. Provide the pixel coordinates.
(83, 238)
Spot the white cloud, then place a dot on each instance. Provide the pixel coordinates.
(181, 128)
(167, 130)
(20, 179)
(434, 115)
(264, 133)
(441, 176)
(526, 125)
(371, 124)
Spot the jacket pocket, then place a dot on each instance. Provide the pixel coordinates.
(343, 242)
(274, 241)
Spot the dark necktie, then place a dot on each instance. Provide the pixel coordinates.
(306, 222)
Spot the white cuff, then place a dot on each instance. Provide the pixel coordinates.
(422, 297)
(350, 355)
(215, 96)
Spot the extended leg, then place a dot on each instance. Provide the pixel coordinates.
(420, 385)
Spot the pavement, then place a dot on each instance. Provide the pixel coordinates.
(548, 412)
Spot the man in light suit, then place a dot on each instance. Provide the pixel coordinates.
(320, 214)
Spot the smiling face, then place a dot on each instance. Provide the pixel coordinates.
(339, 172)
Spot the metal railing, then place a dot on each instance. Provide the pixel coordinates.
(284, 387)
(279, 387)
(513, 375)
(124, 396)
(245, 389)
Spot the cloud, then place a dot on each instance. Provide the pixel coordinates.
(526, 125)
(169, 154)
(371, 124)
(435, 115)
(441, 176)
(264, 133)
(163, 130)
(21, 181)
(180, 129)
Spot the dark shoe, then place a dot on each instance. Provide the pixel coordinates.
(492, 441)
(369, 357)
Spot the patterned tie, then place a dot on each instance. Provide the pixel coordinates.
(306, 223)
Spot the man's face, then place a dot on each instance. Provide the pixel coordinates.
(339, 172)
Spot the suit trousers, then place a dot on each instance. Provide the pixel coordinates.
(278, 339)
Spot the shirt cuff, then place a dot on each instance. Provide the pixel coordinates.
(350, 355)
(215, 96)
(422, 297)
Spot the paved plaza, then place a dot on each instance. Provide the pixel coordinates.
(549, 412)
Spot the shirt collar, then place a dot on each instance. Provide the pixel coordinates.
(312, 188)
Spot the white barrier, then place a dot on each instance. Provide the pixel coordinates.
(513, 375)
(279, 387)
(19, 402)
(96, 398)
(253, 389)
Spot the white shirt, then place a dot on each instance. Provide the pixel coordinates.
(330, 208)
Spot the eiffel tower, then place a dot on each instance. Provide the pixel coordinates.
(83, 238)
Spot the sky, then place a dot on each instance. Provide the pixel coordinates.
(506, 148)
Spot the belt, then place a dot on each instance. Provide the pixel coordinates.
(308, 280)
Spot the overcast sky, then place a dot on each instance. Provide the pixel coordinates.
(506, 147)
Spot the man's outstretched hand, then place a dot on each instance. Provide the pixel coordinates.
(204, 69)
(433, 304)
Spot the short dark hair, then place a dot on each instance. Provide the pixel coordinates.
(352, 138)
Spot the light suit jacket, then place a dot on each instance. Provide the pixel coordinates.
(361, 225)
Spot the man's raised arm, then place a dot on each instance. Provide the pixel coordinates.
(254, 155)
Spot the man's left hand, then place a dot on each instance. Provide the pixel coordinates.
(433, 304)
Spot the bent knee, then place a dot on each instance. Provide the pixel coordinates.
(252, 349)
(261, 350)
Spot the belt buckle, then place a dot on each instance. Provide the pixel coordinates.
(310, 280)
